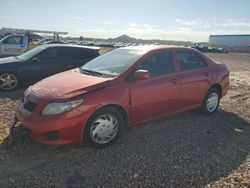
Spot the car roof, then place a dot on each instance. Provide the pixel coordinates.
(147, 48)
(71, 45)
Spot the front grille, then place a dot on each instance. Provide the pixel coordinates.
(29, 106)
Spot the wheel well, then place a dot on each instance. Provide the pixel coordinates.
(117, 107)
(218, 87)
(121, 110)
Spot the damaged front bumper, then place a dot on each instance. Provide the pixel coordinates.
(13, 125)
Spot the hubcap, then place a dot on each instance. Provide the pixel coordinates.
(104, 129)
(212, 102)
(8, 81)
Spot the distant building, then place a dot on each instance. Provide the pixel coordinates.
(229, 40)
(237, 43)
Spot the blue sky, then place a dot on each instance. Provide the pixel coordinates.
(190, 20)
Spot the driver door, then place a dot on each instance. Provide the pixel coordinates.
(43, 65)
(158, 95)
(13, 45)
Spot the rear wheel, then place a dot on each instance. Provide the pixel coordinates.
(211, 101)
(103, 127)
(8, 81)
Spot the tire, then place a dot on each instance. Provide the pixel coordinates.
(104, 127)
(8, 81)
(210, 102)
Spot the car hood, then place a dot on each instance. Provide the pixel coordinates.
(8, 60)
(67, 85)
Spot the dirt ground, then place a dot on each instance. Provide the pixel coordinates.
(184, 150)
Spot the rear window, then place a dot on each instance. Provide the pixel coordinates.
(78, 53)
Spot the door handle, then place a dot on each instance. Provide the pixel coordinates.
(21, 46)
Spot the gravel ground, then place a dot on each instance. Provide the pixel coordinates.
(184, 150)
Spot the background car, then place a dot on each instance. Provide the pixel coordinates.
(42, 62)
(212, 49)
(200, 48)
(222, 50)
(54, 42)
(42, 41)
(121, 88)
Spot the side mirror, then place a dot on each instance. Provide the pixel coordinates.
(141, 75)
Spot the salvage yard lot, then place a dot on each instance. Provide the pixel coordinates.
(183, 150)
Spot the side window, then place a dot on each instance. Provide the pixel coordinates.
(89, 53)
(159, 64)
(72, 53)
(82, 53)
(14, 40)
(49, 53)
(189, 61)
(64, 53)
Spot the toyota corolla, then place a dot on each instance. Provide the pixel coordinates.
(121, 88)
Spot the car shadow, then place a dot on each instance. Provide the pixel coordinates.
(186, 149)
(15, 95)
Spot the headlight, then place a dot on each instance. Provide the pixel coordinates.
(60, 107)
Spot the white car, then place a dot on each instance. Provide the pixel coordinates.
(43, 41)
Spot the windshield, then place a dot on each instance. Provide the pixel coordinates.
(31, 53)
(114, 62)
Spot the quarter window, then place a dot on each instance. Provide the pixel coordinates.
(159, 64)
(189, 60)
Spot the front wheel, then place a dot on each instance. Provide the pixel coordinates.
(103, 127)
(210, 102)
(8, 81)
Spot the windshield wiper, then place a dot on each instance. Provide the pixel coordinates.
(91, 72)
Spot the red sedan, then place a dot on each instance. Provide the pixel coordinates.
(121, 88)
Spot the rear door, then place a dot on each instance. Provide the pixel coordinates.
(159, 94)
(194, 77)
(14, 45)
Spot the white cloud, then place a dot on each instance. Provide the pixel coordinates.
(243, 27)
(187, 22)
(107, 23)
(195, 24)
(75, 19)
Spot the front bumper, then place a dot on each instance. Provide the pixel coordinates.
(11, 130)
(62, 129)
